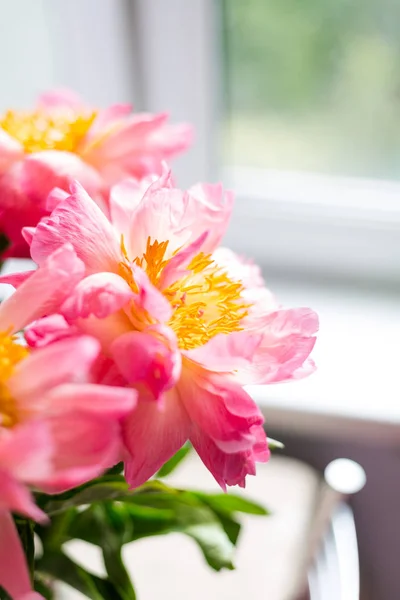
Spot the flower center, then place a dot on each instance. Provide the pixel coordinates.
(206, 301)
(51, 130)
(11, 353)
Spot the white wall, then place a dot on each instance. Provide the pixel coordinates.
(83, 44)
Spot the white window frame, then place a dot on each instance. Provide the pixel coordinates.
(289, 222)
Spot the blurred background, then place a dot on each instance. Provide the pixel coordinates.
(296, 107)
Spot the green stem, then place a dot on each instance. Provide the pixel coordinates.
(25, 529)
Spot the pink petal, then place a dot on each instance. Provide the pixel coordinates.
(108, 118)
(100, 295)
(85, 445)
(152, 436)
(14, 574)
(211, 207)
(177, 265)
(10, 150)
(60, 98)
(25, 186)
(239, 268)
(48, 330)
(169, 214)
(227, 353)
(124, 199)
(54, 198)
(25, 452)
(79, 221)
(149, 299)
(288, 339)
(16, 279)
(15, 496)
(43, 291)
(66, 361)
(220, 408)
(150, 357)
(105, 330)
(162, 215)
(126, 140)
(101, 400)
(231, 469)
(27, 234)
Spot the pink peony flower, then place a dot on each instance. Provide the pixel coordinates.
(63, 138)
(185, 323)
(57, 430)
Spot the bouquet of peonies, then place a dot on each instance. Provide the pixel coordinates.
(134, 336)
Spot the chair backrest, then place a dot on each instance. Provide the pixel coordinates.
(333, 572)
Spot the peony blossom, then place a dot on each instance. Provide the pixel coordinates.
(57, 430)
(185, 323)
(63, 138)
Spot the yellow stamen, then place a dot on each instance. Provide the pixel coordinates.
(153, 261)
(11, 353)
(206, 301)
(53, 130)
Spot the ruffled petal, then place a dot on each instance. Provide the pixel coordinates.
(152, 435)
(124, 200)
(43, 291)
(79, 221)
(226, 353)
(99, 295)
(231, 469)
(48, 330)
(220, 408)
(288, 339)
(211, 207)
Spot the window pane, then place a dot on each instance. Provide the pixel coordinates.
(313, 84)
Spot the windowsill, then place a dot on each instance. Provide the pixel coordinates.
(355, 391)
(345, 228)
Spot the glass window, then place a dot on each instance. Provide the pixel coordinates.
(313, 85)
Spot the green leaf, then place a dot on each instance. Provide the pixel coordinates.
(44, 585)
(229, 503)
(4, 595)
(111, 547)
(117, 469)
(214, 543)
(275, 444)
(104, 488)
(157, 509)
(195, 519)
(173, 462)
(25, 529)
(60, 566)
(230, 526)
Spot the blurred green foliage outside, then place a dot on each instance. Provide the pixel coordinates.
(312, 84)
